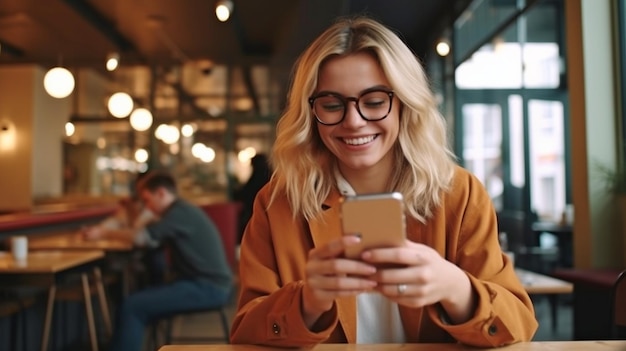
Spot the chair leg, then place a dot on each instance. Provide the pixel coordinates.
(104, 305)
(225, 327)
(14, 330)
(169, 326)
(89, 310)
(48, 318)
(552, 298)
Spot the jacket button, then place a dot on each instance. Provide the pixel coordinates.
(492, 329)
(276, 328)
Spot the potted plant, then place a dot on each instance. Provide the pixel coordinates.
(614, 179)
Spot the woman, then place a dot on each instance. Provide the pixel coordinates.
(361, 119)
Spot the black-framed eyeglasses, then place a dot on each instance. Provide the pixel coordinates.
(330, 108)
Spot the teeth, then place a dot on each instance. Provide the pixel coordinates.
(359, 141)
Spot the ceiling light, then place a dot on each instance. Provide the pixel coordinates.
(160, 131)
(171, 134)
(187, 130)
(141, 119)
(443, 48)
(223, 9)
(58, 82)
(113, 60)
(120, 105)
(69, 129)
(141, 155)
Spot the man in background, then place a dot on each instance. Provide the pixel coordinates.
(200, 276)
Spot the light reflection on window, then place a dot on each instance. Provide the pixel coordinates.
(499, 66)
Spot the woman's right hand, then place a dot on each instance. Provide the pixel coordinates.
(329, 275)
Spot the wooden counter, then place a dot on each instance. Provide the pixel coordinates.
(15, 223)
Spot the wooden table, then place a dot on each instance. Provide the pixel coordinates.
(45, 268)
(72, 240)
(527, 346)
(536, 284)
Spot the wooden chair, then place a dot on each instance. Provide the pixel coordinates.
(619, 306)
(168, 325)
(14, 307)
(225, 216)
(528, 254)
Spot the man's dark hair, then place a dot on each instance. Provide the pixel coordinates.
(158, 179)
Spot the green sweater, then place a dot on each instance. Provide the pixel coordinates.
(194, 244)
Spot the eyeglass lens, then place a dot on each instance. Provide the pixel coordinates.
(372, 106)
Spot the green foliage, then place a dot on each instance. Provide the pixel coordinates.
(614, 178)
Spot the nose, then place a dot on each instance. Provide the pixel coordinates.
(353, 118)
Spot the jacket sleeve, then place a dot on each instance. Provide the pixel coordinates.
(504, 312)
(268, 310)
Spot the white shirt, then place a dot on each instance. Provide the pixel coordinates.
(378, 318)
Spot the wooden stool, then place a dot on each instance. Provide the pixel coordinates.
(11, 305)
(170, 339)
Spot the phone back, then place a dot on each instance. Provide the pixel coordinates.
(377, 218)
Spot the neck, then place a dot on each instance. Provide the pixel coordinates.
(374, 179)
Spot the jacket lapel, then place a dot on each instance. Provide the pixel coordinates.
(324, 229)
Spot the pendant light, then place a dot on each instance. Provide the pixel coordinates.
(120, 105)
(141, 119)
(58, 82)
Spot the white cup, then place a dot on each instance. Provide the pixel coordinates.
(19, 247)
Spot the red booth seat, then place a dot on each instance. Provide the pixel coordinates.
(225, 215)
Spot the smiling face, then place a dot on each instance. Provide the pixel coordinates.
(363, 148)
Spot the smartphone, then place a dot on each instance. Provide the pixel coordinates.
(378, 219)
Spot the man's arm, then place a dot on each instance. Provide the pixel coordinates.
(139, 237)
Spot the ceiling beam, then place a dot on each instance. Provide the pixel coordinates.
(247, 78)
(105, 26)
(8, 49)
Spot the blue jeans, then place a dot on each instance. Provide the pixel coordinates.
(146, 306)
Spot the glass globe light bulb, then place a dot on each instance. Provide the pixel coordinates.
(141, 119)
(120, 105)
(58, 82)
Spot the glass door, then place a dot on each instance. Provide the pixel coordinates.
(492, 144)
(514, 142)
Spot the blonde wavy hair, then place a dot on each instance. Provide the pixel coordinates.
(303, 166)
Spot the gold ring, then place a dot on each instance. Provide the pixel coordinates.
(401, 289)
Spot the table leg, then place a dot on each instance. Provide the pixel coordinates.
(104, 306)
(89, 310)
(553, 310)
(48, 318)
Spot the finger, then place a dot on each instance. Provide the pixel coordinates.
(413, 255)
(345, 283)
(339, 266)
(334, 248)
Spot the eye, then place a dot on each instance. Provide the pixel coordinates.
(329, 103)
(374, 100)
(373, 103)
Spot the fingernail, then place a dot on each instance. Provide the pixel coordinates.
(353, 238)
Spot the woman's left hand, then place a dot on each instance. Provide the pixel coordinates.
(423, 278)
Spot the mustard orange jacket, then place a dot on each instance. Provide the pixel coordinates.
(463, 230)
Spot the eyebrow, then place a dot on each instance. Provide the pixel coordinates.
(375, 87)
